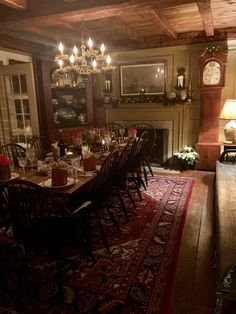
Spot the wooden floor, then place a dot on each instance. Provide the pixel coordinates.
(194, 282)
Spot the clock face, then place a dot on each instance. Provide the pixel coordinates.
(211, 73)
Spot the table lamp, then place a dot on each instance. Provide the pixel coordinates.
(229, 113)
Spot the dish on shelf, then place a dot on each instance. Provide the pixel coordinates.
(48, 183)
(13, 176)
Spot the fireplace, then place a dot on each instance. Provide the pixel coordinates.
(170, 123)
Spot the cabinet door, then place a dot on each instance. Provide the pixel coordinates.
(72, 106)
(69, 107)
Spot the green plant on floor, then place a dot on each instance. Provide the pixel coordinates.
(187, 155)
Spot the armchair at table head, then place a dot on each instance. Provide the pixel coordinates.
(41, 223)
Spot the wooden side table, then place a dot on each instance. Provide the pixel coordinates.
(228, 145)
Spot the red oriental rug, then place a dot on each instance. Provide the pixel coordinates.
(137, 276)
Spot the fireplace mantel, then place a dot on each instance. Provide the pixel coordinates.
(175, 118)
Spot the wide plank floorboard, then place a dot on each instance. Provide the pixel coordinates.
(194, 282)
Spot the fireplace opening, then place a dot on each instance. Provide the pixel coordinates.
(159, 154)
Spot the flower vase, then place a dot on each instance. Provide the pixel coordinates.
(186, 166)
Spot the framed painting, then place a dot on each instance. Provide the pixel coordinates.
(148, 79)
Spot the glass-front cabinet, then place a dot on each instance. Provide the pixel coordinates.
(69, 106)
(70, 99)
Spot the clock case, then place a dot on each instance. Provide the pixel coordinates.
(209, 55)
(208, 145)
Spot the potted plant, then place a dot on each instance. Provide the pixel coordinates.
(188, 157)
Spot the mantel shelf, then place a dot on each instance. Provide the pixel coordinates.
(145, 105)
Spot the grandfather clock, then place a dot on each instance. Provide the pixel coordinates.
(212, 65)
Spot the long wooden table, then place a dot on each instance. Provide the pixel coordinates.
(34, 176)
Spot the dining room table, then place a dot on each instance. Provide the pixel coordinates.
(44, 179)
(32, 173)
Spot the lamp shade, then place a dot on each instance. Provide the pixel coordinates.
(229, 110)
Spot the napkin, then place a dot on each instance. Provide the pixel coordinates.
(5, 172)
(59, 174)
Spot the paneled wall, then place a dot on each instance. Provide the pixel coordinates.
(175, 57)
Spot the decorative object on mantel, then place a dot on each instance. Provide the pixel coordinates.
(180, 79)
(146, 99)
(188, 157)
(85, 62)
(229, 113)
(183, 93)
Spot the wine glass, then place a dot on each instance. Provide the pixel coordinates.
(22, 163)
(30, 155)
(75, 162)
(107, 139)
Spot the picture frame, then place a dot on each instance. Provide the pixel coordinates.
(147, 78)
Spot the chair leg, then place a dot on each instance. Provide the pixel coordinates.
(103, 235)
(145, 173)
(149, 167)
(23, 270)
(140, 181)
(122, 204)
(112, 218)
(137, 186)
(130, 196)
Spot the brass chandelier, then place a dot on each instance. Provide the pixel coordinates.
(84, 61)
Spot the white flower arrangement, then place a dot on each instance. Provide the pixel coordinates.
(188, 155)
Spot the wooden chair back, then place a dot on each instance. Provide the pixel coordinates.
(42, 146)
(12, 152)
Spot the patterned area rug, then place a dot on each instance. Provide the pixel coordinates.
(136, 277)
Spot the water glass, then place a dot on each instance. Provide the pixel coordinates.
(30, 155)
(75, 163)
(22, 163)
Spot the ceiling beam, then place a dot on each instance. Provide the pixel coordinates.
(204, 7)
(164, 25)
(83, 11)
(15, 4)
(126, 29)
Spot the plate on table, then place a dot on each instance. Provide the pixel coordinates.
(106, 154)
(48, 183)
(82, 173)
(34, 165)
(122, 145)
(13, 176)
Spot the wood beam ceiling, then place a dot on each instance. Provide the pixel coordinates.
(164, 25)
(204, 7)
(15, 4)
(126, 29)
